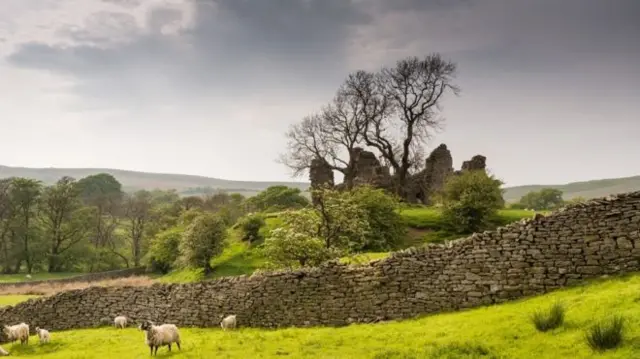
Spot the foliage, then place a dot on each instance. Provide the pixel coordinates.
(164, 250)
(336, 226)
(387, 229)
(545, 199)
(278, 198)
(606, 335)
(202, 241)
(548, 320)
(470, 200)
(250, 226)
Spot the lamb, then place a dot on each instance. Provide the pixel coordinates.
(17, 332)
(160, 335)
(3, 352)
(120, 322)
(43, 335)
(228, 323)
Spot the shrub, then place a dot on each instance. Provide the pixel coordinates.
(337, 226)
(548, 320)
(470, 200)
(278, 198)
(250, 226)
(386, 224)
(163, 251)
(606, 335)
(202, 241)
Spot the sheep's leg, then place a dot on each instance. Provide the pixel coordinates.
(156, 351)
(169, 345)
(178, 344)
(151, 349)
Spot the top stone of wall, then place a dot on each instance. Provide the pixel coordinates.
(525, 258)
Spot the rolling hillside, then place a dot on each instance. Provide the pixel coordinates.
(132, 180)
(186, 184)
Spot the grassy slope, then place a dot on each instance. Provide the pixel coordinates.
(14, 278)
(14, 299)
(238, 258)
(586, 189)
(502, 331)
(132, 180)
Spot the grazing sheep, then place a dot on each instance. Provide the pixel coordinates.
(28, 276)
(120, 322)
(43, 335)
(3, 352)
(17, 332)
(228, 323)
(160, 335)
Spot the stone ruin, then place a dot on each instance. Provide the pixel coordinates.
(421, 186)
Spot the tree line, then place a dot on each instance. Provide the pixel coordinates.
(91, 224)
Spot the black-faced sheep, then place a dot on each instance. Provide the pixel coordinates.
(160, 335)
(17, 332)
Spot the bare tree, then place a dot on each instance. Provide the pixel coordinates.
(331, 135)
(402, 108)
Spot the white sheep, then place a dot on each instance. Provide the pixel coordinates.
(120, 322)
(17, 332)
(228, 323)
(28, 276)
(43, 335)
(160, 335)
(3, 352)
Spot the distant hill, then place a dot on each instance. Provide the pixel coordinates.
(132, 180)
(187, 185)
(586, 189)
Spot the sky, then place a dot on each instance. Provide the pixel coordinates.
(209, 87)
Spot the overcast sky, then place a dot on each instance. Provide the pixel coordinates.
(550, 88)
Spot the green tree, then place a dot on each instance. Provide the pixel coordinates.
(137, 214)
(8, 239)
(190, 202)
(470, 200)
(65, 221)
(545, 199)
(25, 194)
(202, 241)
(337, 222)
(387, 227)
(164, 249)
(278, 198)
(250, 226)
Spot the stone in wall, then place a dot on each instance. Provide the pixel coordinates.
(533, 256)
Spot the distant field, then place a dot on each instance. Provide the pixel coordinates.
(22, 277)
(495, 332)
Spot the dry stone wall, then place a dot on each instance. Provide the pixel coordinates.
(529, 257)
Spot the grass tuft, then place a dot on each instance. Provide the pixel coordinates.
(606, 335)
(550, 319)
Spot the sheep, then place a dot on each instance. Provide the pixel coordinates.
(159, 335)
(120, 322)
(228, 323)
(3, 352)
(28, 276)
(17, 332)
(43, 335)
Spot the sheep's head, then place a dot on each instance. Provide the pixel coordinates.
(37, 329)
(145, 325)
(5, 330)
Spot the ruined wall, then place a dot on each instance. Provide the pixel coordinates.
(529, 257)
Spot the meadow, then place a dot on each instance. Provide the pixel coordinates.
(424, 225)
(499, 331)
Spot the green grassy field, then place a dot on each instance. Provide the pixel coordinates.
(14, 299)
(424, 226)
(501, 331)
(15, 278)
